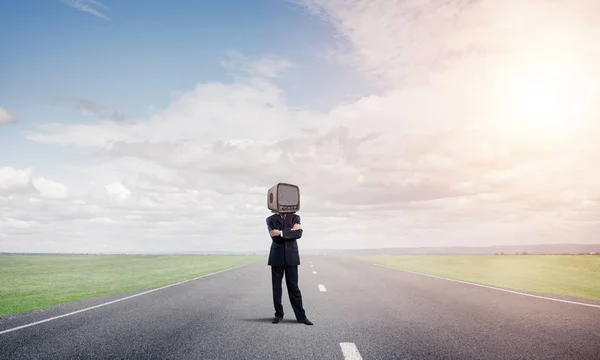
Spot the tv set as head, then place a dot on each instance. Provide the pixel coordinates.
(283, 198)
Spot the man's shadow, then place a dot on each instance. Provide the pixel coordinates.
(269, 320)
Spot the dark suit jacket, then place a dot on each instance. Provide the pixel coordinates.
(284, 249)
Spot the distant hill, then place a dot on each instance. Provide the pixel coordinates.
(542, 249)
(147, 253)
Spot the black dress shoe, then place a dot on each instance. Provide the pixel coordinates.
(276, 320)
(305, 321)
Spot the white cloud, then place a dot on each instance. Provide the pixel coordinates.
(88, 6)
(399, 41)
(19, 224)
(12, 179)
(50, 189)
(441, 155)
(7, 117)
(116, 191)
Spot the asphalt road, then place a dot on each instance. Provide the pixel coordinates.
(376, 312)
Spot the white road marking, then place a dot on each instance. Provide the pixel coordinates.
(312, 266)
(493, 287)
(350, 351)
(314, 272)
(111, 302)
(322, 287)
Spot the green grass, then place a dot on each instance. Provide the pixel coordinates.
(32, 282)
(577, 276)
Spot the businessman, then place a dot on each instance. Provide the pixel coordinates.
(284, 259)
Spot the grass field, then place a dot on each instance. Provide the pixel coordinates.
(577, 275)
(31, 282)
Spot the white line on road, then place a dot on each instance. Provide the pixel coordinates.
(350, 351)
(322, 287)
(493, 287)
(312, 266)
(314, 272)
(111, 302)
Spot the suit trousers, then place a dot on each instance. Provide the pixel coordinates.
(291, 282)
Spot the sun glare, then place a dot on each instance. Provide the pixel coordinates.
(549, 98)
(545, 96)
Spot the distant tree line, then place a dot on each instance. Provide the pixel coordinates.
(579, 253)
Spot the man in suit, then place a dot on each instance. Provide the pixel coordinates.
(284, 259)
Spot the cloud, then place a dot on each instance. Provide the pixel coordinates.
(91, 108)
(50, 189)
(88, 6)
(87, 106)
(24, 182)
(269, 67)
(402, 42)
(12, 179)
(116, 191)
(440, 154)
(7, 117)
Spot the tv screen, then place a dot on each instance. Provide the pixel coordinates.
(287, 195)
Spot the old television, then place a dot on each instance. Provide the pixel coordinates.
(283, 198)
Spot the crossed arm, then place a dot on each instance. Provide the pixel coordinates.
(276, 232)
(286, 234)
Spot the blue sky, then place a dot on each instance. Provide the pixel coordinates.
(146, 53)
(150, 48)
(149, 125)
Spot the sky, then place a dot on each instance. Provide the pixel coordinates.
(154, 126)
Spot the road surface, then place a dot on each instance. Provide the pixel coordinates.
(359, 310)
